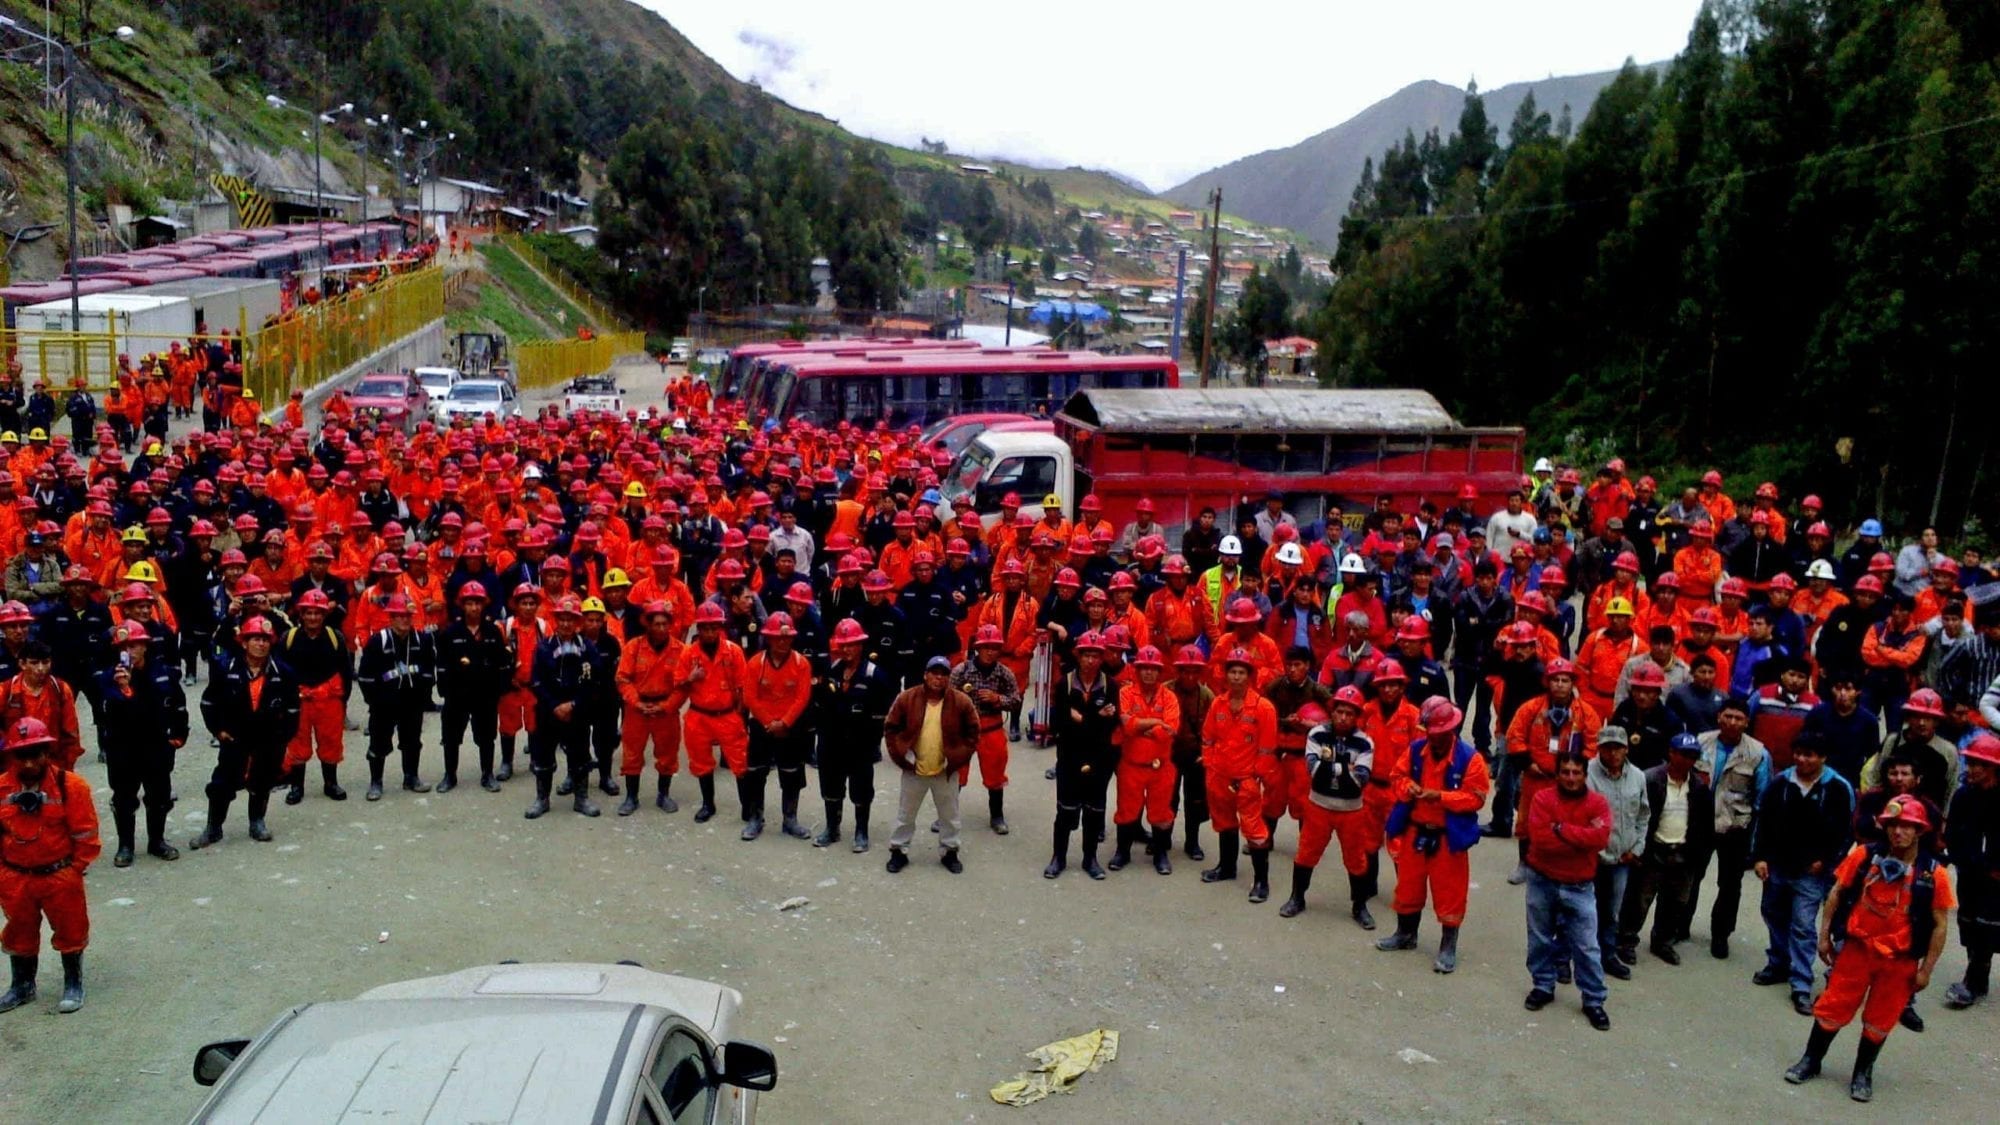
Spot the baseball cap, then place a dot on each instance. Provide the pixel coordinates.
(938, 664)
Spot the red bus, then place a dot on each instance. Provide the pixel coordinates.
(1227, 448)
(918, 388)
(738, 373)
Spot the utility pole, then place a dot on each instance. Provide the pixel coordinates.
(1180, 298)
(1209, 282)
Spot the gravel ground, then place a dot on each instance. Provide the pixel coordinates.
(911, 995)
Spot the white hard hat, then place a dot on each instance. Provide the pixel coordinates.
(1820, 568)
(532, 472)
(1351, 564)
(1291, 555)
(1544, 465)
(1230, 545)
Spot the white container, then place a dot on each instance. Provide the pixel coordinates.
(132, 323)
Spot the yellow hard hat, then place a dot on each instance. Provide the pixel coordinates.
(635, 491)
(142, 571)
(593, 605)
(1051, 501)
(38, 434)
(133, 534)
(614, 578)
(11, 436)
(154, 448)
(1618, 606)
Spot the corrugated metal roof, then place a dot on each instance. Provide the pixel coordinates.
(1260, 410)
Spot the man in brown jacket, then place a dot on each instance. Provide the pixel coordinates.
(932, 730)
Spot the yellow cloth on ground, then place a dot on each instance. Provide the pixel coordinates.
(1057, 1067)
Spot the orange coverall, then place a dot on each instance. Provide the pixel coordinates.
(63, 832)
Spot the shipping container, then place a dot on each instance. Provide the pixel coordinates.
(135, 321)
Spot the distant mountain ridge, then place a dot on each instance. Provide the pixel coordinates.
(1307, 186)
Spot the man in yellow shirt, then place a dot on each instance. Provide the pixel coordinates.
(931, 732)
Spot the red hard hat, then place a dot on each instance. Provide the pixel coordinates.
(258, 626)
(1144, 507)
(1389, 670)
(1881, 563)
(1706, 615)
(386, 563)
(1468, 492)
(1904, 809)
(780, 625)
(1553, 576)
(1711, 477)
(1984, 747)
(315, 599)
(1090, 640)
(957, 547)
(1175, 564)
(1068, 579)
(708, 613)
(1242, 611)
(396, 604)
(876, 580)
(527, 590)
(1784, 582)
(1558, 667)
(569, 605)
(28, 732)
(1439, 716)
(1190, 657)
(1568, 476)
(1123, 580)
(987, 635)
(1012, 567)
(1702, 531)
(1667, 581)
(849, 632)
(1868, 583)
(1626, 561)
(472, 591)
(1649, 675)
(1414, 628)
(1924, 701)
(1734, 588)
(1239, 655)
(1312, 714)
(729, 570)
(1148, 656)
(1521, 633)
(1350, 696)
(249, 584)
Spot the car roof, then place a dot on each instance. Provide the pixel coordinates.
(434, 370)
(465, 1059)
(476, 383)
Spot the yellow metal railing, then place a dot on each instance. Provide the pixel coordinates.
(548, 363)
(599, 313)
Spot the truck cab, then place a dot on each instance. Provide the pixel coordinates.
(1030, 463)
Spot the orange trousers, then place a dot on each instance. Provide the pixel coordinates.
(663, 731)
(1235, 802)
(1285, 784)
(1865, 981)
(991, 753)
(1376, 803)
(1321, 826)
(702, 733)
(517, 712)
(1446, 874)
(322, 729)
(1146, 789)
(27, 899)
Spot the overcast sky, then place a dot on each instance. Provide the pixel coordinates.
(1152, 90)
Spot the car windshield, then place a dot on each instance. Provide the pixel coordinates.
(436, 378)
(476, 392)
(964, 473)
(380, 388)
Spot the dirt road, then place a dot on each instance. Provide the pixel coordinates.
(908, 996)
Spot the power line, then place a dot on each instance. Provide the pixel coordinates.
(1686, 185)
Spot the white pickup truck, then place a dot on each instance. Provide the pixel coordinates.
(596, 394)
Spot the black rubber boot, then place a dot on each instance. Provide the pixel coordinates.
(156, 836)
(126, 823)
(374, 779)
(1163, 847)
(664, 801)
(1371, 880)
(1808, 1066)
(296, 780)
(23, 988)
(72, 994)
(539, 807)
(860, 828)
(788, 809)
(1093, 834)
(257, 806)
(579, 784)
(1861, 1087)
(1192, 848)
(1405, 936)
(1447, 958)
(414, 784)
(1225, 860)
(630, 804)
(996, 807)
(605, 785)
(218, 808)
(750, 795)
(1260, 874)
(1295, 905)
(568, 785)
(706, 812)
(329, 777)
(1059, 853)
(1357, 889)
(1121, 857)
(506, 770)
(449, 781)
(829, 833)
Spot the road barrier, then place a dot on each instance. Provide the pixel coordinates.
(549, 363)
(599, 313)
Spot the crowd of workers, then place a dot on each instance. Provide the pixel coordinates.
(1638, 691)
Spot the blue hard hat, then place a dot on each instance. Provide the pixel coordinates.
(933, 496)
(1872, 528)
(1686, 744)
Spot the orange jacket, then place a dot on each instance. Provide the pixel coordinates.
(1700, 569)
(1019, 633)
(1265, 655)
(1600, 662)
(1593, 610)
(1177, 619)
(54, 705)
(646, 674)
(1234, 734)
(778, 693)
(1469, 797)
(720, 688)
(1879, 651)
(1154, 746)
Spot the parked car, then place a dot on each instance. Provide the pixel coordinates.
(477, 398)
(396, 398)
(437, 381)
(680, 350)
(598, 394)
(544, 1043)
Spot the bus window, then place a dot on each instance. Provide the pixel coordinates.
(861, 398)
(1038, 392)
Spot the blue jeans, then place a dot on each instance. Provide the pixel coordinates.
(1562, 926)
(1791, 912)
(1507, 791)
(1611, 880)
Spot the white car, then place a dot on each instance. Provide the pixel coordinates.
(437, 381)
(542, 1043)
(476, 398)
(598, 394)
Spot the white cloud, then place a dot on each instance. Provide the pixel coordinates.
(1158, 91)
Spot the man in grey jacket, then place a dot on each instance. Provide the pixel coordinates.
(1624, 789)
(1737, 768)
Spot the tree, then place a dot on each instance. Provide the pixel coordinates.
(1263, 312)
(1088, 241)
(985, 225)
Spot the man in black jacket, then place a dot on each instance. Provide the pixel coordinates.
(474, 668)
(251, 705)
(1972, 837)
(1483, 610)
(396, 669)
(143, 721)
(850, 704)
(1680, 831)
(1804, 825)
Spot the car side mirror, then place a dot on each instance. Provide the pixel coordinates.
(749, 1065)
(213, 1060)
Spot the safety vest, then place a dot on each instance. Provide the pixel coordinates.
(1461, 829)
(1923, 892)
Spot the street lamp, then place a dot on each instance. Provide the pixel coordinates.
(123, 34)
(319, 205)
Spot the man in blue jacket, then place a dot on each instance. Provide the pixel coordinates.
(1804, 825)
